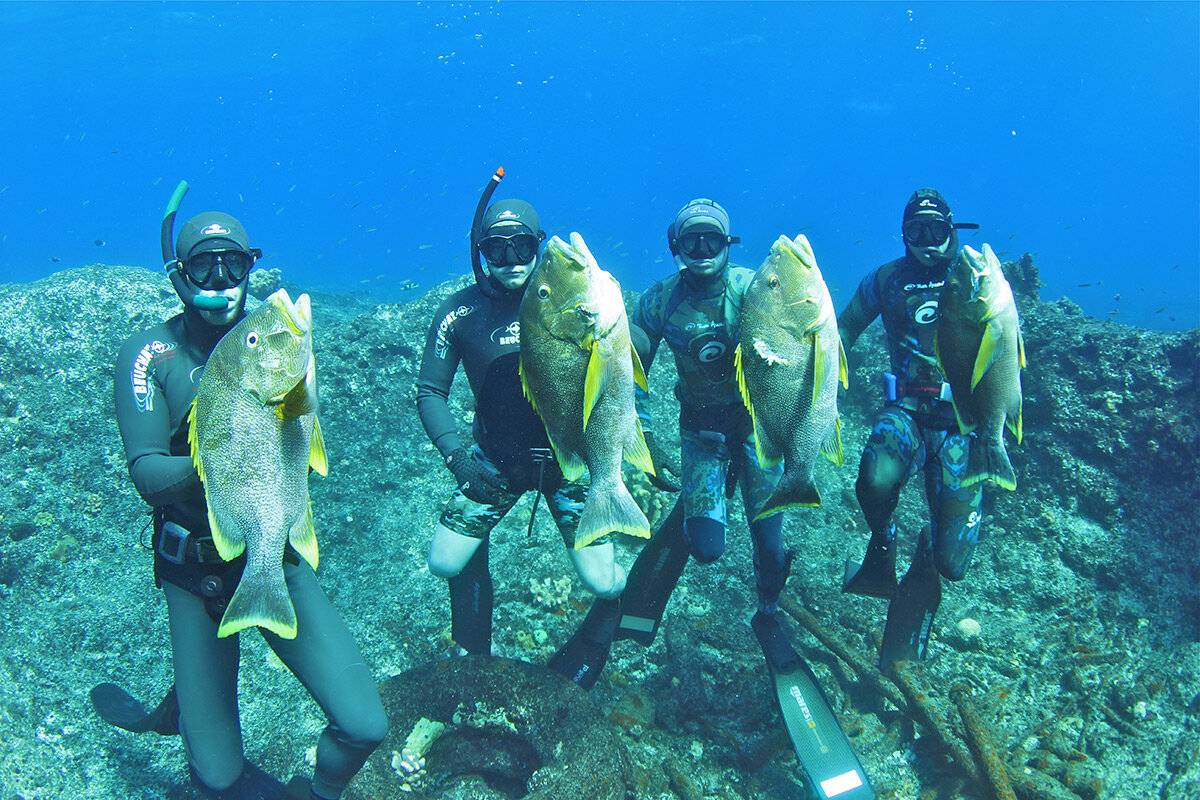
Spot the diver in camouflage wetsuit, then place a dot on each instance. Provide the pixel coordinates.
(915, 430)
(696, 311)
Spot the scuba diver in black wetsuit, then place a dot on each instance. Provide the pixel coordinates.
(478, 326)
(916, 430)
(156, 376)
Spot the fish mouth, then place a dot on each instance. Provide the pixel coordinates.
(297, 315)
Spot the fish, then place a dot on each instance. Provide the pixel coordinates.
(789, 361)
(578, 369)
(99, 243)
(254, 434)
(980, 350)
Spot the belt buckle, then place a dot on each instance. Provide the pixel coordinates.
(172, 542)
(539, 455)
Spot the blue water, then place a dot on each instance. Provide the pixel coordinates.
(352, 140)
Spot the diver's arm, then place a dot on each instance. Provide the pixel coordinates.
(159, 477)
(438, 365)
(860, 312)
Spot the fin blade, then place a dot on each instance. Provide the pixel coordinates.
(1021, 362)
(261, 600)
(988, 461)
(303, 537)
(818, 368)
(794, 491)
(610, 509)
(637, 452)
(843, 369)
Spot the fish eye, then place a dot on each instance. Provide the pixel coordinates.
(543, 291)
(773, 281)
(252, 339)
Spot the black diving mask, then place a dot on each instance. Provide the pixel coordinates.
(703, 244)
(926, 232)
(204, 269)
(508, 251)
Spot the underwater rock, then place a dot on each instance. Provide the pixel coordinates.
(512, 730)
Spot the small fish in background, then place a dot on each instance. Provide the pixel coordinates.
(424, 246)
(55, 259)
(1117, 297)
(99, 243)
(407, 285)
(1161, 310)
(1087, 285)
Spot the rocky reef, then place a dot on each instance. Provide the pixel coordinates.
(1075, 630)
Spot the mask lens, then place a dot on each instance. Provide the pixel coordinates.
(203, 268)
(702, 245)
(926, 232)
(506, 251)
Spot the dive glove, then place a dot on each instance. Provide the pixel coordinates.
(477, 477)
(665, 465)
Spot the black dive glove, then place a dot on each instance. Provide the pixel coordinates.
(665, 465)
(477, 477)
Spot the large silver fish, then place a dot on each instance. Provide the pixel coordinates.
(578, 369)
(789, 361)
(980, 350)
(254, 434)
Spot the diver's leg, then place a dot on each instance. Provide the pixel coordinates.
(206, 686)
(892, 455)
(956, 518)
(595, 564)
(705, 460)
(326, 659)
(466, 567)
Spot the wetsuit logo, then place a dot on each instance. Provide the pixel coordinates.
(926, 313)
(508, 335)
(139, 376)
(708, 351)
(442, 344)
(214, 229)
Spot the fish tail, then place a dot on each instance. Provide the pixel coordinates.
(610, 509)
(795, 490)
(262, 600)
(988, 461)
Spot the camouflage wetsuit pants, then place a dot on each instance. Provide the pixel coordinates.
(565, 501)
(897, 448)
(705, 461)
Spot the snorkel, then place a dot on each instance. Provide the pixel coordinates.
(481, 278)
(188, 294)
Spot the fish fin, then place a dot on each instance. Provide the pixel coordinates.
(594, 383)
(795, 490)
(302, 399)
(818, 367)
(937, 354)
(639, 372)
(963, 427)
(303, 537)
(988, 348)
(1013, 419)
(610, 509)
(637, 452)
(741, 379)
(831, 448)
(988, 461)
(843, 370)
(1021, 362)
(194, 441)
(316, 451)
(261, 599)
(569, 463)
(228, 547)
(525, 390)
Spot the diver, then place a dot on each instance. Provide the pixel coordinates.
(696, 311)
(510, 453)
(156, 375)
(915, 430)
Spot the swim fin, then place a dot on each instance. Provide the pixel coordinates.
(830, 766)
(910, 614)
(252, 784)
(876, 575)
(582, 658)
(119, 708)
(471, 598)
(651, 580)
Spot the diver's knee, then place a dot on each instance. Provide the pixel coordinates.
(599, 573)
(705, 538)
(444, 565)
(450, 552)
(216, 781)
(366, 731)
(952, 566)
(605, 587)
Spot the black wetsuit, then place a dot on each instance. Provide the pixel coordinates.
(156, 376)
(915, 430)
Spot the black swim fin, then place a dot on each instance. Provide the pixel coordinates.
(910, 614)
(582, 658)
(471, 599)
(119, 708)
(651, 580)
(253, 784)
(829, 763)
(876, 575)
